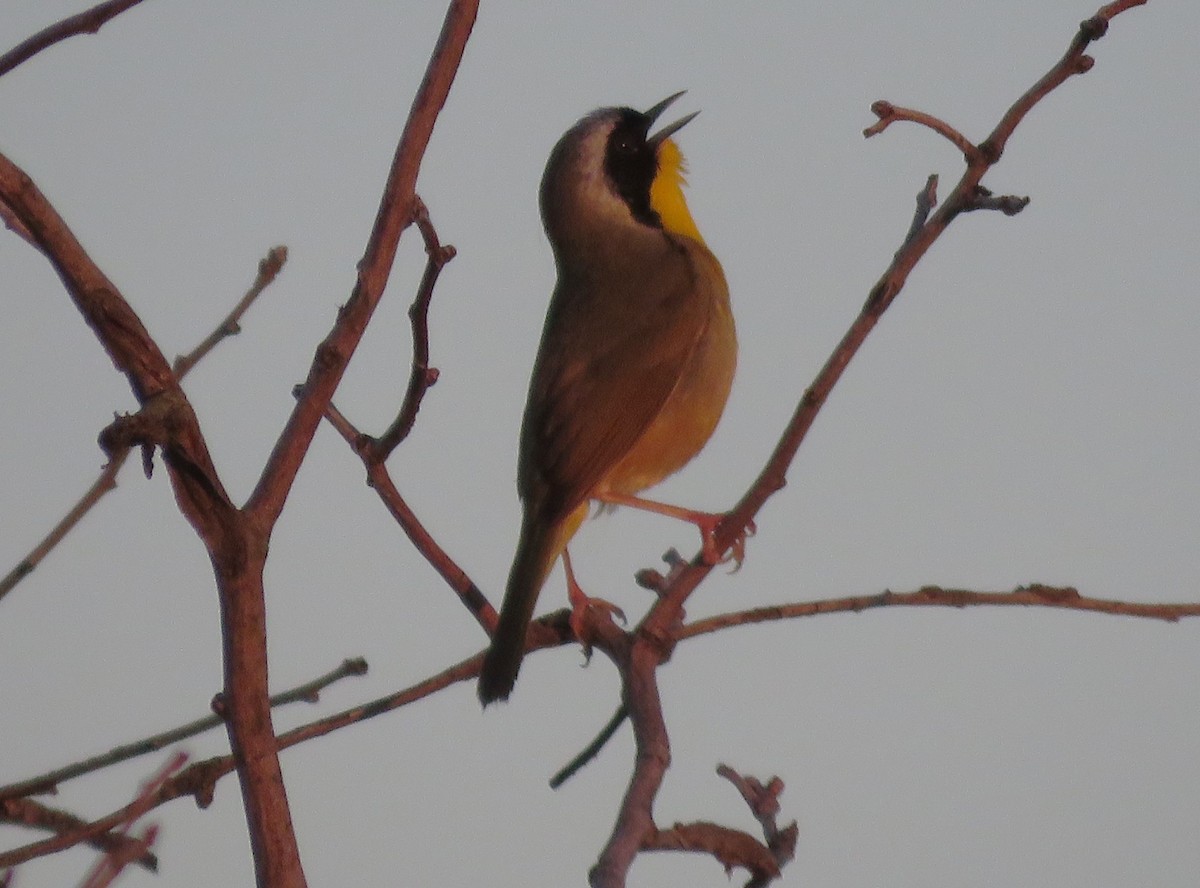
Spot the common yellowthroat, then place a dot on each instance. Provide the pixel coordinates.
(637, 354)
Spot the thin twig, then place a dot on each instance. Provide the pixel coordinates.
(268, 268)
(589, 752)
(380, 479)
(309, 692)
(107, 868)
(422, 376)
(36, 815)
(889, 114)
(1036, 595)
(652, 637)
(774, 474)
(103, 484)
(396, 213)
(87, 22)
(733, 847)
(199, 779)
(926, 201)
(145, 801)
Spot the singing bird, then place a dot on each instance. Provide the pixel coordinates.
(636, 359)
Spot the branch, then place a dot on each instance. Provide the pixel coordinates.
(199, 779)
(147, 799)
(107, 481)
(1034, 595)
(268, 268)
(637, 660)
(729, 847)
(381, 480)
(198, 490)
(107, 869)
(35, 815)
(237, 545)
(422, 376)
(732, 847)
(374, 451)
(87, 22)
(397, 211)
(309, 692)
(889, 114)
(966, 195)
(589, 752)
(102, 485)
(638, 654)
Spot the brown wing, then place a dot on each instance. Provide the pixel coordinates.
(607, 362)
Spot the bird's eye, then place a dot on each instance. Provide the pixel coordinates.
(625, 145)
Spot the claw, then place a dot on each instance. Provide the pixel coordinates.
(583, 607)
(708, 524)
(737, 551)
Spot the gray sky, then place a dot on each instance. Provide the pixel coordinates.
(1025, 412)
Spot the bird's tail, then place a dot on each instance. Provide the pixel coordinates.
(540, 544)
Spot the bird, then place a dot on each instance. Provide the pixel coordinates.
(636, 360)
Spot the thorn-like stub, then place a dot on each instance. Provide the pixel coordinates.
(883, 108)
(650, 579)
(329, 356)
(1094, 28)
(1084, 64)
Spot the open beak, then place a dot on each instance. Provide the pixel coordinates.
(666, 132)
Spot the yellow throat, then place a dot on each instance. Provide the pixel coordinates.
(666, 192)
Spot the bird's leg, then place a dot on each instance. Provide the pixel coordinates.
(706, 521)
(582, 605)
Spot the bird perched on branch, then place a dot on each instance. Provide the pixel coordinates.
(636, 359)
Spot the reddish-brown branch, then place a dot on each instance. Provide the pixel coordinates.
(422, 375)
(397, 211)
(653, 637)
(87, 22)
(110, 867)
(637, 659)
(729, 847)
(237, 547)
(1036, 595)
(965, 195)
(199, 780)
(732, 847)
(148, 797)
(35, 815)
(97, 298)
(17, 227)
(889, 114)
(106, 870)
(103, 484)
(236, 540)
(268, 269)
(380, 479)
(309, 692)
(374, 451)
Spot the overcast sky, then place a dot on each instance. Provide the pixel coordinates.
(1027, 411)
